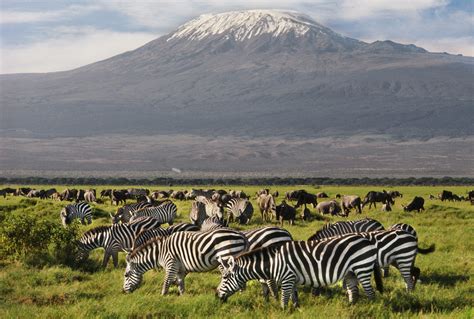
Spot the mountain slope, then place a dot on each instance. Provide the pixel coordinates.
(249, 73)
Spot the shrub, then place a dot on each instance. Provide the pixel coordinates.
(37, 242)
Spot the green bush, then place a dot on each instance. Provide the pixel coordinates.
(37, 242)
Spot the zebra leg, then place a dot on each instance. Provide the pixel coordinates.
(364, 279)
(89, 219)
(352, 287)
(294, 298)
(115, 258)
(386, 271)
(265, 291)
(107, 255)
(406, 272)
(170, 278)
(180, 282)
(82, 221)
(287, 289)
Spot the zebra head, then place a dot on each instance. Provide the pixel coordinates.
(231, 280)
(132, 279)
(117, 217)
(64, 217)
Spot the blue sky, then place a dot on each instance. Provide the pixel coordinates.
(44, 36)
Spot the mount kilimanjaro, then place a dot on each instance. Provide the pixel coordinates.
(240, 77)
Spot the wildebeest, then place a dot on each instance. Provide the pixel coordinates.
(237, 194)
(470, 195)
(266, 204)
(69, 194)
(160, 194)
(118, 196)
(80, 195)
(395, 194)
(446, 195)
(199, 192)
(322, 195)
(34, 193)
(22, 191)
(275, 194)
(105, 193)
(349, 202)
(373, 197)
(416, 204)
(137, 192)
(306, 198)
(329, 207)
(8, 190)
(294, 195)
(179, 195)
(285, 212)
(49, 193)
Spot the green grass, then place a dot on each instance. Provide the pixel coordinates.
(446, 290)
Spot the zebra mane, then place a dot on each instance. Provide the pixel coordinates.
(272, 248)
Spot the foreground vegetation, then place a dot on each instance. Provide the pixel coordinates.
(46, 283)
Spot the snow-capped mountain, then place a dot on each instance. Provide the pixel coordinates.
(255, 73)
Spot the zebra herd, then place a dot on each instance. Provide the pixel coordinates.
(347, 251)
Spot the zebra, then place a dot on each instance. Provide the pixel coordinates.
(182, 253)
(124, 213)
(80, 210)
(347, 227)
(317, 263)
(212, 209)
(114, 238)
(198, 213)
(149, 234)
(165, 213)
(399, 248)
(241, 209)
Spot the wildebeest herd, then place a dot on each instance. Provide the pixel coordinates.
(351, 251)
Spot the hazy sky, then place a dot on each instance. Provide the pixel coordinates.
(43, 36)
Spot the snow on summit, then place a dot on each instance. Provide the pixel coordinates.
(247, 24)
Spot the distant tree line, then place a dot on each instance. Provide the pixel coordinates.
(409, 181)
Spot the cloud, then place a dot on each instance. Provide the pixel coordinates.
(70, 48)
(16, 17)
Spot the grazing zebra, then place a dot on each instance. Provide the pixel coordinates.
(124, 213)
(146, 235)
(115, 238)
(266, 236)
(318, 263)
(78, 210)
(182, 253)
(240, 209)
(347, 227)
(165, 213)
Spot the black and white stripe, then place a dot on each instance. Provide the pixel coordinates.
(213, 223)
(211, 207)
(115, 238)
(405, 227)
(315, 263)
(198, 213)
(241, 209)
(81, 210)
(347, 227)
(149, 234)
(124, 213)
(165, 213)
(182, 253)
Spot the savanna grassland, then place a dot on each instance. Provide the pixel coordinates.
(35, 287)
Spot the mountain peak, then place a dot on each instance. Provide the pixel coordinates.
(243, 25)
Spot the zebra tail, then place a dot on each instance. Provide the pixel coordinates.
(378, 278)
(428, 250)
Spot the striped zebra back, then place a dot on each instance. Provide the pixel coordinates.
(347, 227)
(94, 238)
(81, 211)
(405, 227)
(212, 223)
(149, 234)
(124, 213)
(125, 234)
(266, 236)
(165, 213)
